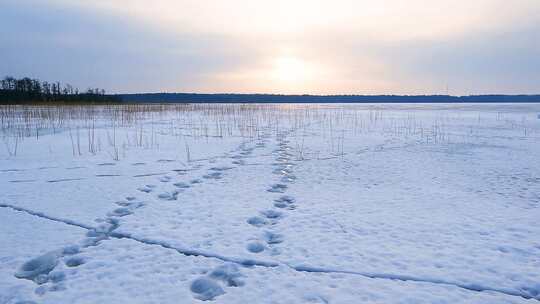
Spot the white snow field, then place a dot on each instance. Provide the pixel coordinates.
(431, 203)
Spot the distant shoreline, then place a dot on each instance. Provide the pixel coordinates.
(274, 98)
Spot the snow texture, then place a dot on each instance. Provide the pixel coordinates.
(272, 204)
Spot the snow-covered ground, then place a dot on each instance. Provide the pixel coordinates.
(270, 204)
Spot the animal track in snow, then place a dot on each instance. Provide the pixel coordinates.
(277, 188)
(169, 196)
(255, 247)
(165, 179)
(219, 169)
(182, 185)
(75, 261)
(272, 214)
(181, 171)
(288, 179)
(257, 221)
(213, 175)
(285, 202)
(147, 188)
(282, 171)
(38, 268)
(208, 288)
(119, 212)
(238, 162)
(273, 238)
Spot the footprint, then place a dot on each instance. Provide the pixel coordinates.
(283, 159)
(71, 250)
(38, 268)
(286, 199)
(315, 298)
(196, 181)
(181, 171)
(173, 196)
(75, 261)
(273, 238)
(284, 153)
(277, 188)
(206, 289)
(147, 188)
(288, 179)
(219, 169)
(130, 205)
(182, 185)
(228, 273)
(119, 212)
(257, 221)
(272, 214)
(255, 247)
(281, 205)
(213, 175)
(165, 179)
(165, 160)
(57, 276)
(282, 171)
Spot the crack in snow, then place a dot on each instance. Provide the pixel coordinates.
(47, 217)
(271, 264)
(407, 278)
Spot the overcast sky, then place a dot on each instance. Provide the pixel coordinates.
(302, 46)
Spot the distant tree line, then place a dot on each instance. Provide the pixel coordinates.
(26, 90)
(276, 98)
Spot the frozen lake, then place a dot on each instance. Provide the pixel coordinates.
(432, 203)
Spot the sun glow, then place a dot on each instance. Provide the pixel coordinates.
(291, 70)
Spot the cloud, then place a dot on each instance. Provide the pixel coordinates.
(316, 46)
(85, 48)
